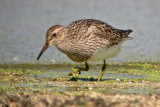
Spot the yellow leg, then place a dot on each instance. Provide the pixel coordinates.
(83, 69)
(103, 70)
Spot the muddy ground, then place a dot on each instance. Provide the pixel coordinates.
(123, 84)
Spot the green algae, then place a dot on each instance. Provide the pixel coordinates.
(143, 78)
(75, 72)
(12, 75)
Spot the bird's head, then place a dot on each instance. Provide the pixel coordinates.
(52, 38)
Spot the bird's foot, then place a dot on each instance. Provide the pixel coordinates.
(75, 72)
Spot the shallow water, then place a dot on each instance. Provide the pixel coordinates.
(23, 24)
(118, 79)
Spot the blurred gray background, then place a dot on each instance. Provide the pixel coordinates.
(23, 24)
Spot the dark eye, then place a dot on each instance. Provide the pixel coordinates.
(54, 34)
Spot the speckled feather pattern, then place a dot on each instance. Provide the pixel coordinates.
(83, 38)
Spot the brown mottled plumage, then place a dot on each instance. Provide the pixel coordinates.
(86, 40)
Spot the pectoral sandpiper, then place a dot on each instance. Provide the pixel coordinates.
(86, 40)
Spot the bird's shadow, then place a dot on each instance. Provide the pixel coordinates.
(89, 79)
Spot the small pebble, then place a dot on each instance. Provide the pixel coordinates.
(118, 79)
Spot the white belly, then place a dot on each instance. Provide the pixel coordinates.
(106, 53)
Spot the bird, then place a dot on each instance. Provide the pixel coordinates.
(87, 40)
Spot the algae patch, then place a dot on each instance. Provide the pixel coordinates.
(118, 78)
(18, 75)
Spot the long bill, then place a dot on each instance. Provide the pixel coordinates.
(46, 45)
